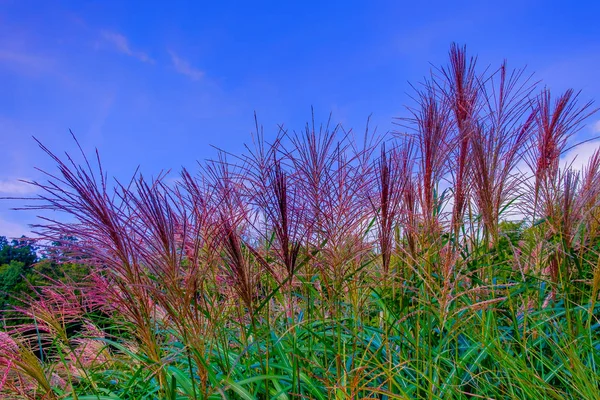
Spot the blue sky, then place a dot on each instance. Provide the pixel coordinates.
(155, 84)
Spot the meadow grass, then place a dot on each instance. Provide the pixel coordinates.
(329, 265)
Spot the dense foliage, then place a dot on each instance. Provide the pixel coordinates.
(22, 270)
(455, 258)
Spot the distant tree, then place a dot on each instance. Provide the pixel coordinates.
(16, 258)
(21, 269)
(10, 275)
(21, 250)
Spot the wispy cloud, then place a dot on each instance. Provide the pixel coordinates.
(15, 187)
(121, 44)
(25, 62)
(184, 67)
(579, 157)
(596, 127)
(12, 229)
(19, 58)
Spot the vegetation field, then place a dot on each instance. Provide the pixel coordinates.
(454, 258)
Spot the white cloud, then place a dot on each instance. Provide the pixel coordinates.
(26, 62)
(121, 44)
(579, 157)
(184, 68)
(596, 127)
(16, 187)
(20, 58)
(13, 230)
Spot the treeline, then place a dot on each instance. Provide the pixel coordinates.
(25, 267)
